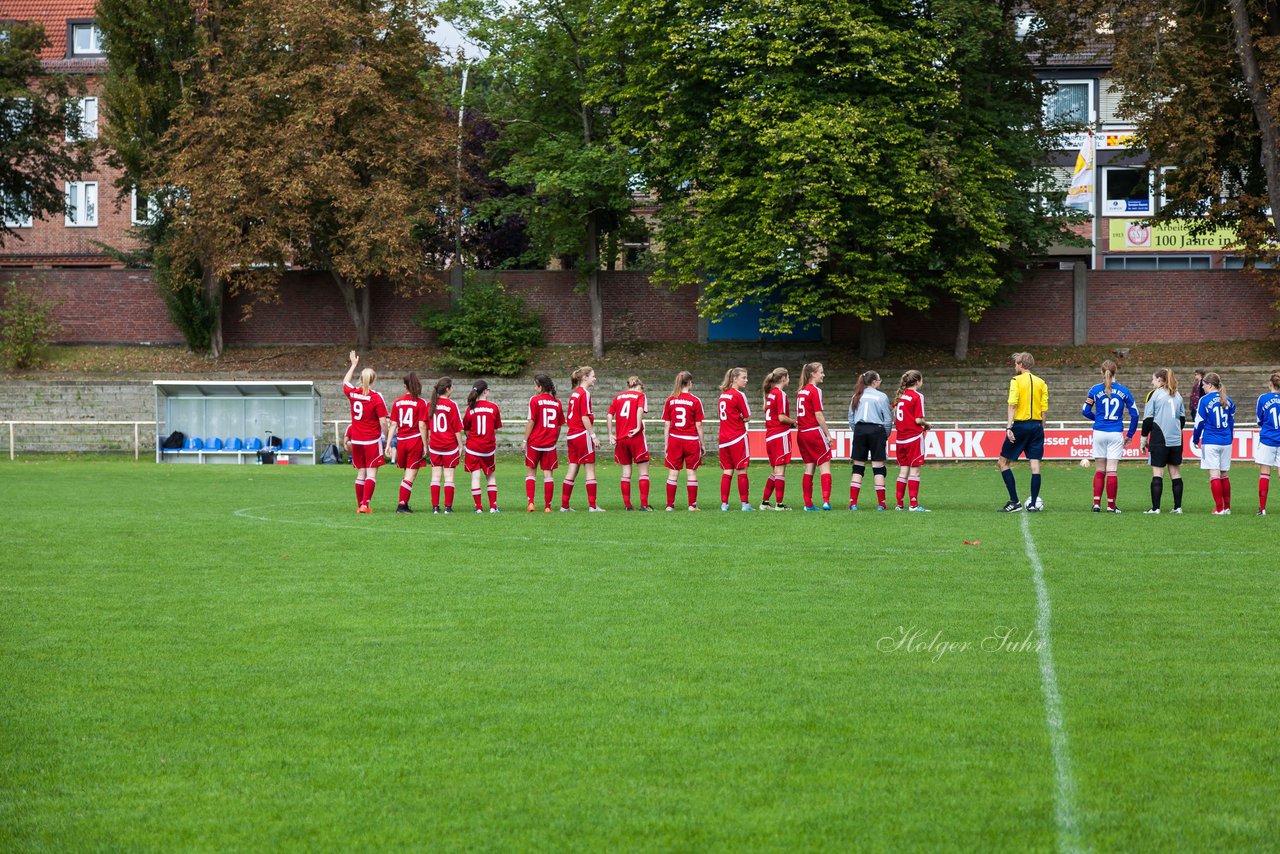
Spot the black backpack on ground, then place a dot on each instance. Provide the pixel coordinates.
(173, 441)
(330, 457)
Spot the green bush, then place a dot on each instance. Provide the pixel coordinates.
(486, 330)
(26, 327)
(189, 308)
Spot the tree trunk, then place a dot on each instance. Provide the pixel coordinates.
(871, 339)
(962, 337)
(211, 285)
(1258, 97)
(356, 298)
(593, 286)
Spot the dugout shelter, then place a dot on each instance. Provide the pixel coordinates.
(229, 421)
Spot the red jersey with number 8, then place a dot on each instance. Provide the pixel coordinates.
(734, 414)
(547, 418)
(367, 412)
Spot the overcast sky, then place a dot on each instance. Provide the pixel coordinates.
(449, 39)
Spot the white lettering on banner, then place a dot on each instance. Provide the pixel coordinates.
(972, 445)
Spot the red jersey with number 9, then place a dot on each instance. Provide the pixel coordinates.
(407, 411)
(443, 427)
(481, 423)
(367, 412)
(547, 417)
(626, 410)
(683, 412)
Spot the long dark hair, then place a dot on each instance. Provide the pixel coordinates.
(479, 388)
(413, 385)
(545, 384)
(864, 383)
(442, 385)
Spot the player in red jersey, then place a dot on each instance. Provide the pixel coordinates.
(734, 455)
(626, 434)
(409, 414)
(369, 426)
(581, 438)
(444, 442)
(777, 436)
(814, 438)
(909, 427)
(481, 421)
(541, 434)
(682, 418)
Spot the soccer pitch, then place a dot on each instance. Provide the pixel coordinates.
(229, 658)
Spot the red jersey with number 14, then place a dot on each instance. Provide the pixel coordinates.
(808, 405)
(627, 409)
(734, 415)
(909, 407)
(547, 418)
(481, 423)
(579, 406)
(775, 404)
(367, 412)
(407, 412)
(444, 427)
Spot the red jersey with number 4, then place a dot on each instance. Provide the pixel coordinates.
(627, 410)
(909, 407)
(443, 427)
(775, 404)
(547, 418)
(367, 412)
(734, 414)
(407, 411)
(481, 423)
(579, 406)
(808, 405)
(683, 412)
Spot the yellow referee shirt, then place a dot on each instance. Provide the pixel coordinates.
(1029, 396)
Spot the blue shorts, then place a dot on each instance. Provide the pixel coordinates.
(1028, 439)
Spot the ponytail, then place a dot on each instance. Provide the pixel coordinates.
(864, 381)
(1214, 380)
(1108, 376)
(413, 385)
(808, 371)
(576, 377)
(771, 381)
(731, 375)
(1275, 380)
(442, 385)
(479, 388)
(909, 380)
(1170, 382)
(684, 378)
(367, 378)
(545, 384)
(633, 381)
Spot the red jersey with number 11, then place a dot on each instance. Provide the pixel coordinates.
(547, 418)
(481, 423)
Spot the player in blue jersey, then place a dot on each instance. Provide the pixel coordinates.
(1215, 424)
(1105, 407)
(1267, 450)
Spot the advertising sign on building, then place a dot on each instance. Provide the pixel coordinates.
(1133, 235)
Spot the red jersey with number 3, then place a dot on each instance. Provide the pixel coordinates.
(627, 409)
(367, 412)
(547, 418)
(481, 423)
(407, 411)
(734, 415)
(683, 412)
(443, 427)
(579, 406)
(909, 407)
(775, 404)
(808, 405)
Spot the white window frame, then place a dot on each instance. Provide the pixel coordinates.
(1092, 119)
(1107, 261)
(150, 208)
(26, 222)
(90, 209)
(95, 39)
(88, 129)
(1126, 214)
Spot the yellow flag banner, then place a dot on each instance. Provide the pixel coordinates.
(1132, 235)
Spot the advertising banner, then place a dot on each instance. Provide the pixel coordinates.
(1131, 235)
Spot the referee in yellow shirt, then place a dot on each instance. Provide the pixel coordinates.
(1024, 433)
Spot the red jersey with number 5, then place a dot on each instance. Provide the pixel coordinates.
(443, 427)
(734, 414)
(579, 406)
(808, 405)
(481, 423)
(407, 411)
(367, 412)
(909, 407)
(547, 418)
(683, 412)
(627, 409)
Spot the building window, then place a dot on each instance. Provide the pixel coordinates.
(1156, 262)
(87, 109)
(15, 215)
(83, 39)
(82, 204)
(146, 213)
(17, 115)
(1125, 191)
(1235, 262)
(1069, 102)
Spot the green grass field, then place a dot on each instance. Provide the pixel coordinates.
(228, 658)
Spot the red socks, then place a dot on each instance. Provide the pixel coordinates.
(1226, 492)
(530, 487)
(901, 490)
(1215, 486)
(779, 486)
(880, 494)
(435, 495)
(1113, 487)
(1264, 483)
(1099, 477)
(644, 490)
(369, 484)
(693, 494)
(913, 489)
(359, 492)
(671, 493)
(768, 489)
(591, 493)
(853, 493)
(744, 488)
(548, 491)
(448, 495)
(826, 488)
(566, 489)
(806, 489)
(493, 496)
(626, 493)
(406, 490)
(475, 496)
(726, 481)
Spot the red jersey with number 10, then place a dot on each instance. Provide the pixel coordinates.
(481, 423)
(444, 427)
(734, 414)
(683, 412)
(808, 405)
(579, 405)
(367, 412)
(627, 409)
(909, 407)
(547, 418)
(775, 404)
(407, 412)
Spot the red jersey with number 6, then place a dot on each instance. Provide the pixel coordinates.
(627, 409)
(547, 417)
(734, 415)
(443, 427)
(407, 412)
(367, 412)
(909, 407)
(481, 423)
(808, 405)
(775, 405)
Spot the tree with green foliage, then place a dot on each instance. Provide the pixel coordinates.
(552, 68)
(821, 160)
(314, 136)
(486, 330)
(37, 114)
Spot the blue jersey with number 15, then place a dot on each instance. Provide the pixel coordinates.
(1107, 413)
(1269, 418)
(1214, 425)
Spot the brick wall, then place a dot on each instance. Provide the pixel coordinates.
(101, 306)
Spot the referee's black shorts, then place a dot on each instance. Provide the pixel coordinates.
(1028, 439)
(870, 442)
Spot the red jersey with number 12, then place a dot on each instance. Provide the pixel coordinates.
(407, 411)
(481, 423)
(808, 405)
(909, 407)
(626, 409)
(367, 412)
(734, 415)
(547, 418)
(775, 405)
(579, 405)
(683, 412)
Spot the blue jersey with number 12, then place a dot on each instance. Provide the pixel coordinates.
(1269, 418)
(1107, 413)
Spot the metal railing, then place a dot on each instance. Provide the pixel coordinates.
(136, 425)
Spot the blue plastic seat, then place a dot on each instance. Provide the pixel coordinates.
(213, 443)
(292, 444)
(193, 444)
(309, 443)
(233, 444)
(254, 444)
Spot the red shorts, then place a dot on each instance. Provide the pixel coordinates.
(735, 456)
(911, 453)
(447, 460)
(409, 454)
(812, 447)
(778, 448)
(683, 454)
(545, 460)
(366, 456)
(581, 449)
(632, 449)
(478, 463)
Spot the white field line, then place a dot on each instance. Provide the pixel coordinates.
(1064, 801)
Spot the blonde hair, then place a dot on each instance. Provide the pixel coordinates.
(577, 376)
(1214, 380)
(731, 375)
(633, 381)
(909, 379)
(1169, 380)
(1025, 359)
(808, 371)
(771, 381)
(684, 378)
(367, 378)
(1108, 376)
